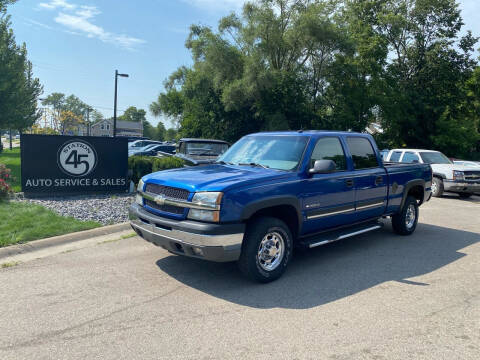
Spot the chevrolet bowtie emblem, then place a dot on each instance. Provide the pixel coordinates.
(160, 200)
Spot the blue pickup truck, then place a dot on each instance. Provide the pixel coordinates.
(273, 192)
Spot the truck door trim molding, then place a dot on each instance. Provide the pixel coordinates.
(329, 212)
(377, 204)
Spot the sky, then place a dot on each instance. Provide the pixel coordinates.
(76, 45)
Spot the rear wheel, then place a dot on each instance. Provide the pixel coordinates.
(465, 195)
(405, 222)
(437, 187)
(266, 250)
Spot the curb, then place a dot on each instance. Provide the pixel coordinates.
(61, 240)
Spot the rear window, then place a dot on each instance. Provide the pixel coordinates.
(362, 152)
(410, 157)
(396, 156)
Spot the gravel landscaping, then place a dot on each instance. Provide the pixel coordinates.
(105, 209)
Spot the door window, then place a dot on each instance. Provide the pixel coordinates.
(395, 156)
(410, 157)
(362, 153)
(329, 148)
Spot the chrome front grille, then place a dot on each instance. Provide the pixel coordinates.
(472, 175)
(165, 208)
(168, 192)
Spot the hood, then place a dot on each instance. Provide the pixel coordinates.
(214, 177)
(447, 169)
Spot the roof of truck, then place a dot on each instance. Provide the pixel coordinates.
(203, 140)
(309, 133)
(415, 150)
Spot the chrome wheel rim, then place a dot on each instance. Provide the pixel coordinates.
(434, 187)
(410, 216)
(271, 251)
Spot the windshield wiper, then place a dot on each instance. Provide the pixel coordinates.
(254, 164)
(221, 162)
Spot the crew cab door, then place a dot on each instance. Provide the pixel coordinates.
(328, 199)
(370, 179)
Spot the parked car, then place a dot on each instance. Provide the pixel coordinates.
(135, 151)
(154, 149)
(447, 176)
(136, 138)
(272, 191)
(200, 151)
(138, 144)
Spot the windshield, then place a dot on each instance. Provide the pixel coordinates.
(434, 158)
(276, 152)
(205, 148)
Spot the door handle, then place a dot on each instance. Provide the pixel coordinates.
(349, 182)
(378, 180)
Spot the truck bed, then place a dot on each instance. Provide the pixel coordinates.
(399, 174)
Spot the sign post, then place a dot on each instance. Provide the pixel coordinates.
(61, 165)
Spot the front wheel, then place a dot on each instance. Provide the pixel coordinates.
(405, 222)
(437, 187)
(267, 249)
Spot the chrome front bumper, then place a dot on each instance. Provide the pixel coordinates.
(461, 186)
(214, 242)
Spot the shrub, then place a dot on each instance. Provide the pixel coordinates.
(5, 179)
(139, 166)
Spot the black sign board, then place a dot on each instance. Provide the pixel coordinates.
(53, 164)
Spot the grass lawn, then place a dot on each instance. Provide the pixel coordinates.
(22, 222)
(11, 159)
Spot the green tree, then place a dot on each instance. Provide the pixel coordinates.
(96, 116)
(56, 101)
(291, 64)
(148, 130)
(171, 134)
(19, 89)
(160, 132)
(425, 90)
(133, 114)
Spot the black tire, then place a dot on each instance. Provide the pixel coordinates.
(400, 223)
(437, 185)
(465, 195)
(250, 263)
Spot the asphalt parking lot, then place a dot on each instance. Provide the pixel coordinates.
(376, 296)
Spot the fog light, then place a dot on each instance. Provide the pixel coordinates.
(198, 252)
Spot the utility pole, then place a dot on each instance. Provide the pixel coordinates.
(88, 120)
(115, 102)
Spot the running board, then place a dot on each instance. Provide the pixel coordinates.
(330, 237)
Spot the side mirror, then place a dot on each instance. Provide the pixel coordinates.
(323, 167)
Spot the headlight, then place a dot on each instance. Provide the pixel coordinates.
(458, 175)
(140, 185)
(204, 215)
(210, 199)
